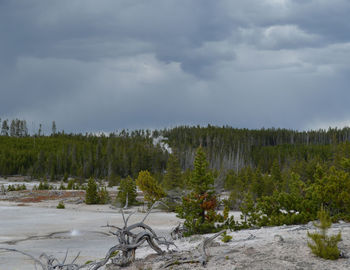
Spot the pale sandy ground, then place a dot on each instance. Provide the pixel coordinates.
(38, 227)
(262, 249)
(79, 228)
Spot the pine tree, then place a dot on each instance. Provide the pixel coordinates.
(324, 246)
(202, 179)
(5, 128)
(173, 176)
(276, 174)
(151, 189)
(40, 130)
(13, 128)
(198, 207)
(103, 196)
(91, 196)
(127, 191)
(53, 128)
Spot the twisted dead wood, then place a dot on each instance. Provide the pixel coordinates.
(130, 241)
(49, 262)
(202, 259)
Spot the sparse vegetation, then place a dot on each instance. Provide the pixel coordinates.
(44, 185)
(15, 187)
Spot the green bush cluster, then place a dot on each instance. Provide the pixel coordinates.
(296, 201)
(16, 187)
(95, 194)
(44, 185)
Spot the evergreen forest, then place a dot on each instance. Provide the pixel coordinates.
(126, 153)
(274, 176)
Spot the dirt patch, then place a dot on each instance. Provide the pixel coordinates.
(45, 195)
(22, 204)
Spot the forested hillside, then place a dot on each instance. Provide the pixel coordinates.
(126, 153)
(231, 148)
(81, 155)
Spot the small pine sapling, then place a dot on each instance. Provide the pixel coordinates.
(324, 246)
(60, 205)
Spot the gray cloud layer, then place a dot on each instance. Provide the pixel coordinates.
(106, 65)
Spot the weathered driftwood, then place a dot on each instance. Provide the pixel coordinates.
(49, 262)
(178, 232)
(202, 259)
(130, 241)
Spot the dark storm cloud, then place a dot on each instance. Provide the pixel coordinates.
(106, 65)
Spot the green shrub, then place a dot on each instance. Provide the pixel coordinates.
(72, 185)
(94, 195)
(151, 189)
(60, 205)
(226, 238)
(127, 189)
(43, 185)
(11, 188)
(103, 196)
(324, 246)
(62, 187)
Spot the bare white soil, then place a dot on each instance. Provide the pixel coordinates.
(272, 248)
(40, 227)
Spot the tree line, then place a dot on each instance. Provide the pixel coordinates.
(126, 153)
(81, 156)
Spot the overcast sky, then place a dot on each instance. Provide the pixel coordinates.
(111, 64)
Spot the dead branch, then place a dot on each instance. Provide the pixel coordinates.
(128, 241)
(178, 232)
(49, 262)
(202, 259)
(36, 261)
(150, 210)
